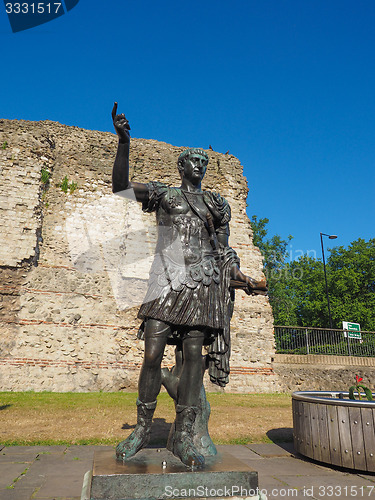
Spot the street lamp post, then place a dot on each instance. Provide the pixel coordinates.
(331, 237)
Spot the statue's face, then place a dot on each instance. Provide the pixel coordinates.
(195, 167)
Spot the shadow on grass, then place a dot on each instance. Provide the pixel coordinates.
(159, 432)
(4, 407)
(281, 435)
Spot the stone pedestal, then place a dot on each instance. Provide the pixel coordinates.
(157, 474)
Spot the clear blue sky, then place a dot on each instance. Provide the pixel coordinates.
(288, 86)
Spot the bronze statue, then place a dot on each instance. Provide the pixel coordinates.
(190, 295)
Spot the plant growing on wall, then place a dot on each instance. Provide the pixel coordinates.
(45, 176)
(72, 187)
(66, 186)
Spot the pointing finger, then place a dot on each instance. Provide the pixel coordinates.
(114, 110)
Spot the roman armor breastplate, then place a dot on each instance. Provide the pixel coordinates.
(184, 255)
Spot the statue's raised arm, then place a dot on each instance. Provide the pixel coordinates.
(120, 172)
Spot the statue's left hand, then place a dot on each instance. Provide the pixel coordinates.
(249, 285)
(255, 287)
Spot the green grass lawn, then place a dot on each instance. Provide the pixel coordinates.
(46, 418)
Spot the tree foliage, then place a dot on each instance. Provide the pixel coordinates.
(297, 289)
(274, 251)
(352, 283)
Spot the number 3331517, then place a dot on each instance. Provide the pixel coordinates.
(32, 8)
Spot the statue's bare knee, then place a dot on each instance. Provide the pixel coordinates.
(156, 334)
(192, 349)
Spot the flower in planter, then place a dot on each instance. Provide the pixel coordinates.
(357, 387)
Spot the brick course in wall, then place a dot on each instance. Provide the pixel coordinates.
(322, 372)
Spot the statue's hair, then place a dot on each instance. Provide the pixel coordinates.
(190, 152)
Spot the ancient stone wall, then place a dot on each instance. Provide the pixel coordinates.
(68, 291)
(321, 372)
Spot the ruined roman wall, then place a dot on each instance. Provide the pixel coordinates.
(69, 292)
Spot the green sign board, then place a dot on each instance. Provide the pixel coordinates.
(352, 330)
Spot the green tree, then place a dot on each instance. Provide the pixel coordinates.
(305, 283)
(297, 289)
(351, 287)
(274, 251)
(352, 283)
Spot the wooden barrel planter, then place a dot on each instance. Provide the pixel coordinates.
(335, 431)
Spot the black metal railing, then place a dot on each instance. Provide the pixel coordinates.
(301, 340)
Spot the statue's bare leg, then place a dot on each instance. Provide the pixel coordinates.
(191, 374)
(156, 333)
(187, 400)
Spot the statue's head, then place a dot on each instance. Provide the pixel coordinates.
(191, 159)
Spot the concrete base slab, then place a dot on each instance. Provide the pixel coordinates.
(145, 477)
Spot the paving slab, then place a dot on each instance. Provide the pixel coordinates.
(17, 494)
(17, 458)
(302, 482)
(10, 472)
(39, 470)
(289, 466)
(282, 491)
(85, 453)
(269, 484)
(34, 449)
(52, 464)
(367, 475)
(344, 486)
(69, 486)
(28, 454)
(268, 450)
(240, 451)
(59, 475)
(14, 455)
